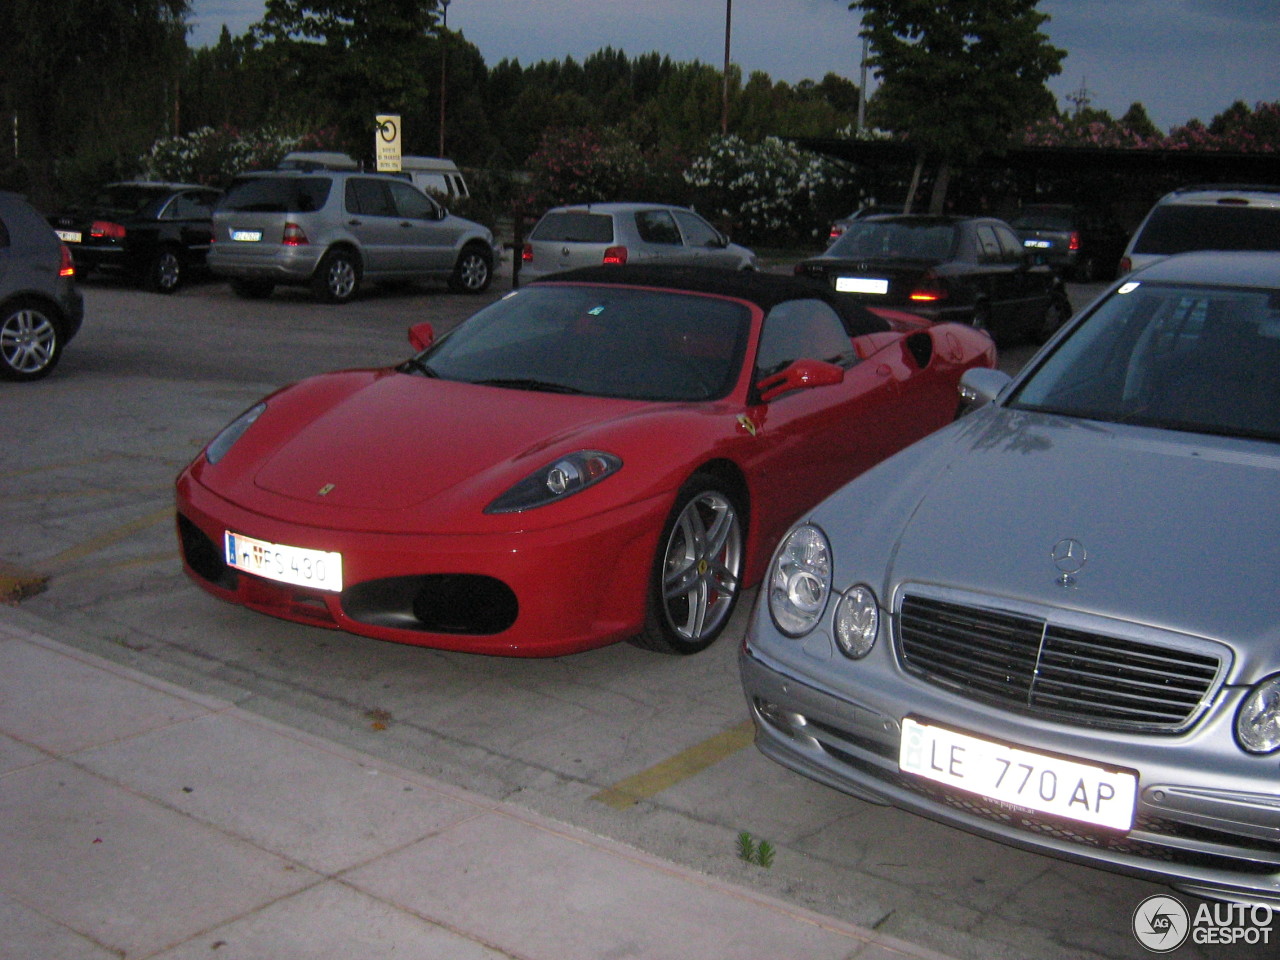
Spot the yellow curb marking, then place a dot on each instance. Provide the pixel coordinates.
(93, 545)
(649, 783)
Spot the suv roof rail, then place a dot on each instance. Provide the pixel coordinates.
(1230, 187)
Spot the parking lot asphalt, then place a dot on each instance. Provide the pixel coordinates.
(613, 747)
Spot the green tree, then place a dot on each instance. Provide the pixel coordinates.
(958, 79)
(93, 80)
(348, 60)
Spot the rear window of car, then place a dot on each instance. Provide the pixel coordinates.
(574, 227)
(128, 199)
(1180, 227)
(277, 195)
(896, 240)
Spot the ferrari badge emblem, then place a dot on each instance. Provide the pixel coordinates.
(325, 490)
(747, 424)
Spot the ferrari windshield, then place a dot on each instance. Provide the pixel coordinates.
(1196, 358)
(602, 341)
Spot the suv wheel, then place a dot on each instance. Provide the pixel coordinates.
(30, 340)
(473, 272)
(337, 279)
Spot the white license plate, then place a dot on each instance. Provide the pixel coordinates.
(861, 285)
(1038, 244)
(275, 561)
(246, 236)
(69, 236)
(1103, 796)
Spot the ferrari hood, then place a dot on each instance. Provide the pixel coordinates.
(1169, 529)
(397, 440)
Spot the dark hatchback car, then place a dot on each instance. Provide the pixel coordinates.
(40, 307)
(1082, 245)
(156, 233)
(968, 269)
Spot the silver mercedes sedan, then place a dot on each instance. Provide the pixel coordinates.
(1056, 622)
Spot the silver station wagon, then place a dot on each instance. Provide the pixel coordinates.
(593, 234)
(1056, 621)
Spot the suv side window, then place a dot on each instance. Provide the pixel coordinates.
(697, 232)
(369, 197)
(413, 204)
(658, 226)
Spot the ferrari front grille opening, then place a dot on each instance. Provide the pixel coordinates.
(454, 603)
(203, 555)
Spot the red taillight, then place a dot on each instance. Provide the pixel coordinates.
(294, 236)
(526, 255)
(107, 230)
(929, 290)
(1126, 265)
(836, 232)
(68, 267)
(615, 256)
(1074, 242)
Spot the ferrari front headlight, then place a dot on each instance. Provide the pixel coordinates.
(1258, 719)
(218, 447)
(800, 580)
(562, 478)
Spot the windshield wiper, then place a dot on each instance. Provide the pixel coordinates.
(416, 365)
(519, 383)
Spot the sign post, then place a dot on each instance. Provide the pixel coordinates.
(387, 142)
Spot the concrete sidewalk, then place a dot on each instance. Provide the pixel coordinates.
(139, 820)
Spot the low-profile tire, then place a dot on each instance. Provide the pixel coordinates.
(697, 572)
(473, 272)
(252, 289)
(1056, 314)
(166, 271)
(30, 340)
(337, 278)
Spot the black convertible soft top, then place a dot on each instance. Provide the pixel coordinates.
(766, 290)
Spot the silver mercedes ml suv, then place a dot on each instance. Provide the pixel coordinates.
(334, 230)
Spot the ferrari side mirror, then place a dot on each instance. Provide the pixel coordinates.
(421, 336)
(800, 375)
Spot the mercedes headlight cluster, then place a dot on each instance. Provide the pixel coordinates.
(562, 478)
(800, 586)
(1258, 719)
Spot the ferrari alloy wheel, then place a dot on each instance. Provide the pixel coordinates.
(166, 271)
(29, 341)
(473, 271)
(337, 279)
(697, 573)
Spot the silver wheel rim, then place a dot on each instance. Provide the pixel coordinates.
(168, 271)
(473, 271)
(28, 340)
(702, 566)
(342, 278)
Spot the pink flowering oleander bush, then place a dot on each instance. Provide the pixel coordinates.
(213, 155)
(1237, 130)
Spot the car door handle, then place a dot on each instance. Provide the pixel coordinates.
(355, 223)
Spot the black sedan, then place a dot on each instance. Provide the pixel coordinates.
(968, 269)
(154, 232)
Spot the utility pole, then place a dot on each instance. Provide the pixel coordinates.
(444, 59)
(724, 105)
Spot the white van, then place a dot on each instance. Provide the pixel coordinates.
(437, 175)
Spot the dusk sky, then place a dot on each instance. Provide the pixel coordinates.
(1181, 59)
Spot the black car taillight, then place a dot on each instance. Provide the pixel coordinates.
(929, 290)
(68, 265)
